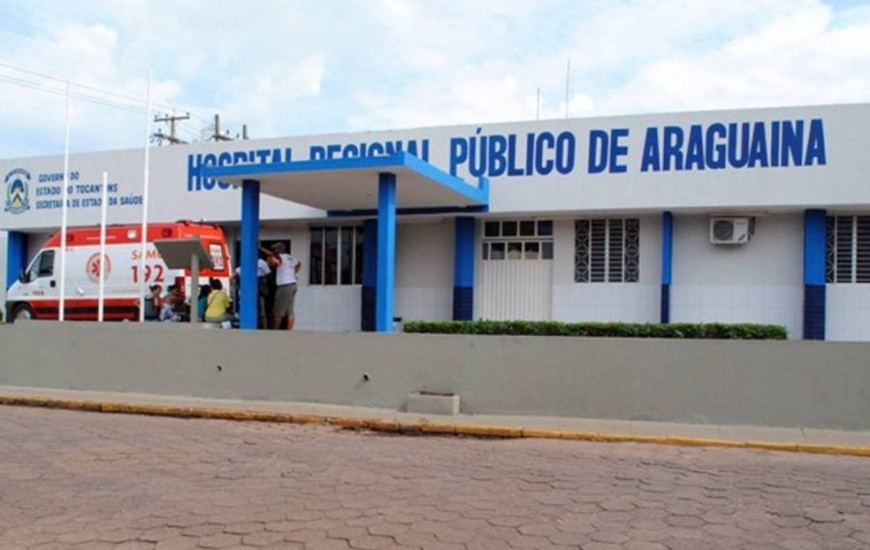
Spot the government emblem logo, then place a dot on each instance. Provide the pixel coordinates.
(17, 191)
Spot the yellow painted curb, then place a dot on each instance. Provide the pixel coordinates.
(308, 419)
(384, 425)
(578, 436)
(833, 450)
(771, 446)
(411, 427)
(488, 431)
(350, 423)
(444, 429)
(701, 442)
(417, 426)
(543, 434)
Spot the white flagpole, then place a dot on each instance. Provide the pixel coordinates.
(103, 260)
(63, 215)
(144, 230)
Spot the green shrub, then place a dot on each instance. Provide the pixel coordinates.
(714, 331)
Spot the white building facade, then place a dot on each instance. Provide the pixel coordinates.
(758, 216)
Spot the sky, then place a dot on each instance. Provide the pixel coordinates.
(299, 67)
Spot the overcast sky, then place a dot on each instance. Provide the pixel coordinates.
(290, 67)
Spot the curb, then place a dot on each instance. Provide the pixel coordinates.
(418, 427)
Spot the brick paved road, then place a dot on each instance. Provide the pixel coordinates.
(97, 481)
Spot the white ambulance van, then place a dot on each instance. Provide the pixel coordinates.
(36, 293)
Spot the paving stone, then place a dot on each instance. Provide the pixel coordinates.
(83, 481)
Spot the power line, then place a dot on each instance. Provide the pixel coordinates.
(136, 106)
(77, 95)
(89, 87)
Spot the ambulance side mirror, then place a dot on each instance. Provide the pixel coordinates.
(23, 278)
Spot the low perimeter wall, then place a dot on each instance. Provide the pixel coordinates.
(789, 384)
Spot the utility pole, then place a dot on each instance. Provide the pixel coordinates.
(172, 138)
(217, 130)
(567, 88)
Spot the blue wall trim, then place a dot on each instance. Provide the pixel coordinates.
(667, 247)
(667, 266)
(463, 269)
(814, 312)
(16, 256)
(815, 298)
(665, 313)
(463, 303)
(249, 243)
(370, 270)
(815, 244)
(386, 270)
(409, 211)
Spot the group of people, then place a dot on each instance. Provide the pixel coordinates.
(283, 297)
(164, 307)
(213, 304)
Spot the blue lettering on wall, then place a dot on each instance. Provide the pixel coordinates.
(720, 145)
(227, 158)
(331, 151)
(696, 147)
(496, 155)
(605, 151)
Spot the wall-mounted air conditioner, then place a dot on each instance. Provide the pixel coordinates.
(730, 230)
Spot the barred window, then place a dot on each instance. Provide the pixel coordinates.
(847, 254)
(518, 240)
(336, 255)
(607, 250)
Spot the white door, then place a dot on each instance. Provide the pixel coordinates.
(516, 275)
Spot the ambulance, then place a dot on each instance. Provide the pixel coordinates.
(36, 293)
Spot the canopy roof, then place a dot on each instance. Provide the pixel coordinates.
(352, 184)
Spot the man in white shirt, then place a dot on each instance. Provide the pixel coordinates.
(286, 267)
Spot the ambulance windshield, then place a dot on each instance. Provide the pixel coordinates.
(42, 266)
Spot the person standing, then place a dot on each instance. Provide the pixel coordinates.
(286, 268)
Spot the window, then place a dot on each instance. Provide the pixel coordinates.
(847, 255)
(518, 240)
(336, 255)
(607, 250)
(42, 266)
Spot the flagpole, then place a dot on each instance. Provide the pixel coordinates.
(144, 229)
(104, 263)
(63, 215)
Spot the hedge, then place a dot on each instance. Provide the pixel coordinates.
(715, 331)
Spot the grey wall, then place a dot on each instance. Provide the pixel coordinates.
(810, 384)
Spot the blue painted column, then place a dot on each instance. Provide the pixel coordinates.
(250, 244)
(369, 274)
(814, 274)
(667, 265)
(386, 270)
(463, 270)
(16, 256)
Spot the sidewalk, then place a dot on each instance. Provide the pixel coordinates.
(758, 437)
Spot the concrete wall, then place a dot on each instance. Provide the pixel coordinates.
(790, 384)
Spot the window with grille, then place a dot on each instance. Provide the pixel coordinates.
(336, 255)
(607, 250)
(847, 258)
(518, 240)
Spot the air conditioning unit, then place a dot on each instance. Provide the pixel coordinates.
(730, 230)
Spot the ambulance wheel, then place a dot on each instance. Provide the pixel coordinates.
(22, 312)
